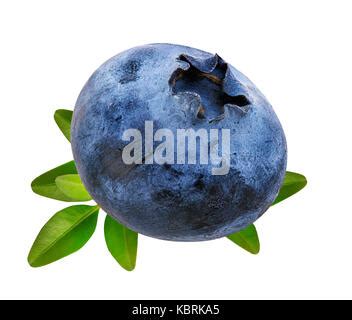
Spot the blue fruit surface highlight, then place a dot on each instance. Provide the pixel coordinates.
(177, 87)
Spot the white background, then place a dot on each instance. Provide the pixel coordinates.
(297, 52)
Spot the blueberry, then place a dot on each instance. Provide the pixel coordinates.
(176, 87)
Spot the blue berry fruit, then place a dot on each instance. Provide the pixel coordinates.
(177, 144)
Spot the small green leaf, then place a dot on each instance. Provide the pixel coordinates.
(121, 242)
(45, 185)
(63, 119)
(293, 183)
(71, 185)
(66, 232)
(247, 239)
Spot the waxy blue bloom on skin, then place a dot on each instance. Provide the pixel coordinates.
(177, 87)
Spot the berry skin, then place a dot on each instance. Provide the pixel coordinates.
(177, 87)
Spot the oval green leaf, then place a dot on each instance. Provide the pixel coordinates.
(63, 119)
(293, 182)
(71, 185)
(66, 232)
(45, 185)
(247, 239)
(121, 242)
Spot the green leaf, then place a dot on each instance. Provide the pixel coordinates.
(66, 232)
(71, 185)
(293, 182)
(121, 242)
(247, 239)
(63, 119)
(45, 185)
